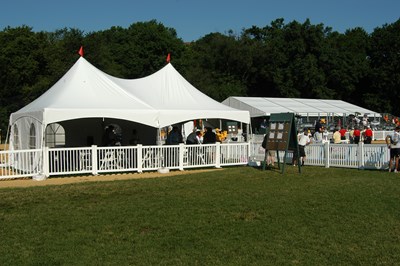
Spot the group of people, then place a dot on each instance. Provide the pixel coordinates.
(195, 137)
(355, 135)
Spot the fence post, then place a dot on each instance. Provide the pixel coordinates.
(181, 153)
(360, 155)
(94, 160)
(139, 158)
(217, 155)
(327, 154)
(46, 165)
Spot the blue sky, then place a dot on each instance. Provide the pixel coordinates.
(192, 19)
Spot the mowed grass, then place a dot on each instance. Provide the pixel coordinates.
(235, 216)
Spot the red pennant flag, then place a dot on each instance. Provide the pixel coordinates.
(81, 51)
(168, 57)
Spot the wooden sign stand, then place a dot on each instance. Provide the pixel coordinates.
(282, 136)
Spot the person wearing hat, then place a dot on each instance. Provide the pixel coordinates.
(393, 143)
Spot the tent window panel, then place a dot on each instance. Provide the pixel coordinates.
(32, 137)
(16, 138)
(55, 135)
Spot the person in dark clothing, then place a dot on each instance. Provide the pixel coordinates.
(174, 137)
(194, 138)
(318, 126)
(209, 136)
(111, 136)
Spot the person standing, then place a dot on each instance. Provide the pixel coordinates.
(356, 135)
(368, 135)
(342, 132)
(336, 137)
(351, 135)
(111, 136)
(393, 143)
(304, 140)
(263, 126)
(209, 136)
(318, 131)
(318, 126)
(174, 137)
(192, 138)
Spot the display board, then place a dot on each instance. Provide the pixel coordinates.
(282, 135)
(278, 135)
(232, 127)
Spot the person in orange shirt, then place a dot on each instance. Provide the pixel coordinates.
(386, 118)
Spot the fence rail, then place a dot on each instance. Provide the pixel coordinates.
(98, 160)
(361, 156)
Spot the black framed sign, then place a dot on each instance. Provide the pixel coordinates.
(281, 135)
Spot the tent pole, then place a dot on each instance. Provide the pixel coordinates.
(158, 137)
(7, 136)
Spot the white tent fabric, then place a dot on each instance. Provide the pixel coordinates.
(261, 106)
(178, 100)
(84, 91)
(158, 100)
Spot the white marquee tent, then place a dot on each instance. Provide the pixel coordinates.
(261, 106)
(176, 99)
(85, 93)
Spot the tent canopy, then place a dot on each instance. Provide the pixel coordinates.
(261, 106)
(85, 92)
(161, 99)
(176, 99)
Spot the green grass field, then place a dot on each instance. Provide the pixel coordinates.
(237, 216)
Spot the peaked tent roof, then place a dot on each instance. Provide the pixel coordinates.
(261, 106)
(158, 100)
(85, 91)
(177, 100)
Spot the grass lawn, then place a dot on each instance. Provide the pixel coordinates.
(237, 216)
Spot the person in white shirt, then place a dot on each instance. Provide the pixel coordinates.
(303, 140)
(393, 143)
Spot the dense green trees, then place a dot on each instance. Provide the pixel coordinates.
(279, 60)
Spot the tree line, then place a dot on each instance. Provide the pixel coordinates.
(292, 59)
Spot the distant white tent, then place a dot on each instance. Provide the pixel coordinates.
(85, 95)
(262, 106)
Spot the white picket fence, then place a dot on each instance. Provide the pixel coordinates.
(97, 160)
(361, 156)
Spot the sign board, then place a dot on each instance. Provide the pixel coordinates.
(232, 127)
(282, 135)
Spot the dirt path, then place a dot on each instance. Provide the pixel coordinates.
(90, 178)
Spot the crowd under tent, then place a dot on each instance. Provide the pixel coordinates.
(75, 111)
(308, 109)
